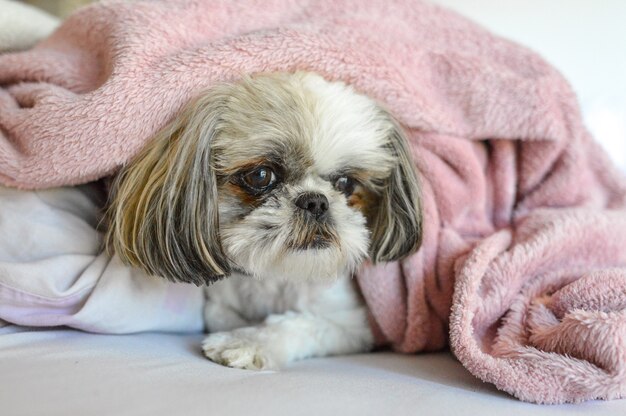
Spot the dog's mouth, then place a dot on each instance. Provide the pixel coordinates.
(313, 239)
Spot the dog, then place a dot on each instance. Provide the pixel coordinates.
(286, 183)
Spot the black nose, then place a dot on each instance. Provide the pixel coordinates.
(316, 204)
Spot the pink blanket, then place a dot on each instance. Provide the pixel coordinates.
(523, 266)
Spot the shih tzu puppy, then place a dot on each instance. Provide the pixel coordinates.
(285, 183)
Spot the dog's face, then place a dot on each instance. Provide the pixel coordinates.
(279, 176)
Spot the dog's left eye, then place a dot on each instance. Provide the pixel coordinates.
(345, 184)
(259, 178)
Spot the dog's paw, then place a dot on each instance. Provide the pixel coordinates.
(238, 349)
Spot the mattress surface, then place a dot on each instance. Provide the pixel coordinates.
(66, 372)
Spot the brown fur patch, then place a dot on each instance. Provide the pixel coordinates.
(365, 200)
(243, 195)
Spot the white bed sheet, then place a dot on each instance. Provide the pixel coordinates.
(66, 372)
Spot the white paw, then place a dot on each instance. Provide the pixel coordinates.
(238, 349)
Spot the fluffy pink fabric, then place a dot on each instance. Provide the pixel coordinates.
(523, 267)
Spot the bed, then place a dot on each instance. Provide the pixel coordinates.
(64, 371)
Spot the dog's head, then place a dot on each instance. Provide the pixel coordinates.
(278, 175)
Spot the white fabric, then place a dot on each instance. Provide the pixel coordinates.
(21, 25)
(71, 373)
(53, 271)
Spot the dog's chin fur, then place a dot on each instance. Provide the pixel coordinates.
(185, 210)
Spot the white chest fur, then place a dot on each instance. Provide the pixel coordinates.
(241, 300)
(264, 324)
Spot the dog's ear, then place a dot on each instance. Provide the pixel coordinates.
(163, 214)
(397, 223)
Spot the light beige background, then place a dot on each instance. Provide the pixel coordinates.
(58, 7)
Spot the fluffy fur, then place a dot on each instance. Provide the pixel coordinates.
(338, 186)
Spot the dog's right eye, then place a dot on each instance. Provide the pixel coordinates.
(259, 178)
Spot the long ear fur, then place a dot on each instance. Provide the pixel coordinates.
(397, 224)
(163, 214)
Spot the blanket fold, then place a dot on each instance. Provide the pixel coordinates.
(523, 266)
